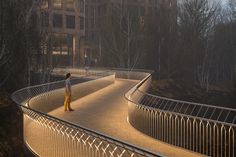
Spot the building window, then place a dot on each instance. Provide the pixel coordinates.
(44, 4)
(150, 11)
(155, 3)
(86, 10)
(81, 6)
(92, 36)
(170, 3)
(104, 9)
(92, 11)
(70, 4)
(81, 22)
(86, 35)
(62, 49)
(98, 22)
(57, 20)
(70, 21)
(57, 4)
(142, 11)
(150, 1)
(99, 10)
(92, 22)
(134, 1)
(87, 23)
(44, 19)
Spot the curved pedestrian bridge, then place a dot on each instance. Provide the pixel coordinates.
(108, 120)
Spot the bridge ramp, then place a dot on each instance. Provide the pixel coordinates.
(106, 110)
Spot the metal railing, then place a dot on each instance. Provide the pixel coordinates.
(46, 135)
(206, 129)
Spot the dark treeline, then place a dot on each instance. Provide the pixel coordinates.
(194, 41)
(19, 39)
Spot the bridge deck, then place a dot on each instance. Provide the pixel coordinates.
(106, 111)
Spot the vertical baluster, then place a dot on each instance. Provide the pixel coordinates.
(164, 127)
(215, 140)
(176, 129)
(197, 136)
(202, 137)
(170, 128)
(231, 141)
(157, 124)
(184, 132)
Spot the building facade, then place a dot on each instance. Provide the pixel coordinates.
(73, 26)
(63, 21)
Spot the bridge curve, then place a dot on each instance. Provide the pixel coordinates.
(47, 135)
(67, 132)
(202, 128)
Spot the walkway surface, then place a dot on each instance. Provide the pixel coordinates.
(105, 111)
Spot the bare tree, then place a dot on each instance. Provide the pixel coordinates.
(197, 19)
(232, 6)
(18, 40)
(161, 34)
(122, 37)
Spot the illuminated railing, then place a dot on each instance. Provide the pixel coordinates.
(46, 135)
(205, 129)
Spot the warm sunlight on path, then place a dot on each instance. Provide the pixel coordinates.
(106, 111)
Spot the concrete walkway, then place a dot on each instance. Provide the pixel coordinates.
(106, 111)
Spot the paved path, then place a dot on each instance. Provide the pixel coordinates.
(106, 111)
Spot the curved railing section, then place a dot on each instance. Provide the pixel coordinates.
(206, 129)
(46, 135)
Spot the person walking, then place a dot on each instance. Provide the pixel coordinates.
(67, 93)
(86, 64)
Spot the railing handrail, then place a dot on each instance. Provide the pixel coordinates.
(128, 96)
(188, 102)
(134, 70)
(106, 137)
(53, 82)
(91, 131)
(209, 130)
(136, 88)
(186, 115)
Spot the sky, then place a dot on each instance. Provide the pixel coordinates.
(223, 2)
